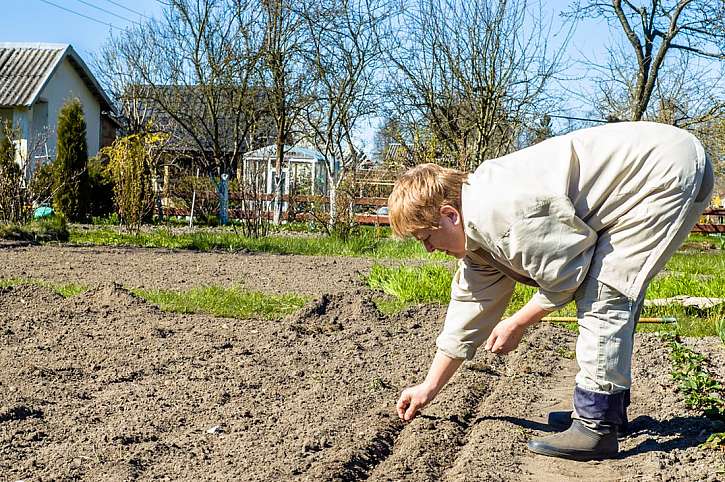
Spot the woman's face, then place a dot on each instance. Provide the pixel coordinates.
(449, 237)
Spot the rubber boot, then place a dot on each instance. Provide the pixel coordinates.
(562, 420)
(579, 442)
(593, 432)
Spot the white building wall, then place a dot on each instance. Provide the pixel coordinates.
(21, 122)
(65, 84)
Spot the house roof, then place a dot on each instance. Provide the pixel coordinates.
(26, 68)
(290, 151)
(197, 117)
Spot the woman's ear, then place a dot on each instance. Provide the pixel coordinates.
(451, 213)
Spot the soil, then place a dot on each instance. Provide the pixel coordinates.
(179, 270)
(104, 386)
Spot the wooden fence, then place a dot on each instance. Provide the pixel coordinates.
(712, 221)
(371, 203)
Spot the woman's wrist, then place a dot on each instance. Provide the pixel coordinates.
(521, 321)
(440, 372)
(529, 314)
(432, 386)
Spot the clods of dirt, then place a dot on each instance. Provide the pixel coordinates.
(331, 312)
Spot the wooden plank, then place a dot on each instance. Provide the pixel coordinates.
(709, 228)
(573, 319)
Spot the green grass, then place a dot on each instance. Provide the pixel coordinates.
(693, 274)
(53, 228)
(213, 300)
(226, 302)
(422, 284)
(368, 243)
(66, 290)
(697, 263)
(389, 305)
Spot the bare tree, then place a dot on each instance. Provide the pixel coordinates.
(284, 77)
(344, 61)
(656, 31)
(193, 74)
(467, 76)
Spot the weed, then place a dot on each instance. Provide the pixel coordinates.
(701, 391)
(721, 329)
(715, 441)
(378, 383)
(563, 352)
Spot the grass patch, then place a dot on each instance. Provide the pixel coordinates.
(53, 228)
(389, 305)
(367, 243)
(694, 263)
(225, 302)
(66, 290)
(696, 274)
(421, 284)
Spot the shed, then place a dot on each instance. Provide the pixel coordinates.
(303, 167)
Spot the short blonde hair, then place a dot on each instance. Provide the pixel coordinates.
(420, 193)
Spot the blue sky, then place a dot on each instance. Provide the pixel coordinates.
(47, 21)
(38, 21)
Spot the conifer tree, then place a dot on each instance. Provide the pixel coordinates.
(9, 181)
(71, 163)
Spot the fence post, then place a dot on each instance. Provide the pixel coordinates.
(224, 199)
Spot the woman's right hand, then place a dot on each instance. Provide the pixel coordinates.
(413, 399)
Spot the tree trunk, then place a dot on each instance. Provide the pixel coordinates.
(278, 177)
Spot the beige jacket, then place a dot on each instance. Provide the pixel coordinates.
(601, 202)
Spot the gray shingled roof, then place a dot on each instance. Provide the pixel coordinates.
(25, 69)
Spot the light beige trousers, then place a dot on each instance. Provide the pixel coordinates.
(607, 318)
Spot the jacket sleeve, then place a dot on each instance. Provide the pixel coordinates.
(479, 296)
(554, 246)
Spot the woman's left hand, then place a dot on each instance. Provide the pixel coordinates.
(505, 337)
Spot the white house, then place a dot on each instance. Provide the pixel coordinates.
(36, 79)
(303, 166)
